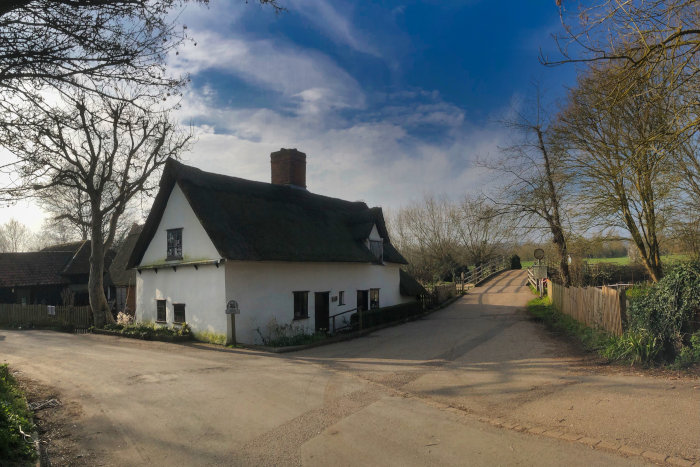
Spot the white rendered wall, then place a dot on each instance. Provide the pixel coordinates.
(201, 290)
(264, 289)
(374, 234)
(196, 244)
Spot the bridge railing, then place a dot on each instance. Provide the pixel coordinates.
(484, 271)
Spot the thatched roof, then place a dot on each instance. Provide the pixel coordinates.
(119, 274)
(409, 286)
(33, 268)
(54, 265)
(256, 221)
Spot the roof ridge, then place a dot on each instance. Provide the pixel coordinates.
(181, 173)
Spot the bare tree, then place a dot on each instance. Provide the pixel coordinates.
(688, 162)
(534, 181)
(481, 230)
(14, 236)
(425, 233)
(659, 37)
(68, 209)
(621, 145)
(53, 42)
(108, 150)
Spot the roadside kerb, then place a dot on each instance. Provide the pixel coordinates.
(592, 443)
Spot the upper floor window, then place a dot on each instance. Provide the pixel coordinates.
(377, 249)
(174, 244)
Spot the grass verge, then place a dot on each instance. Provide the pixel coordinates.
(16, 445)
(632, 348)
(590, 339)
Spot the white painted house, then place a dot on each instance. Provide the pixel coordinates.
(285, 255)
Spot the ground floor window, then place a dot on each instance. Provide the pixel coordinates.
(341, 298)
(179, 309)
(301, 305)
(373, 298)
(160, 310)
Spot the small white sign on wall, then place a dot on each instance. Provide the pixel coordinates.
(52, 310)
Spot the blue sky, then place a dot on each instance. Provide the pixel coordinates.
(390, 100)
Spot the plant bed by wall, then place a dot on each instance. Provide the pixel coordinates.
(148, 331)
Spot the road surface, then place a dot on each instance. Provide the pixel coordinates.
(478, 383)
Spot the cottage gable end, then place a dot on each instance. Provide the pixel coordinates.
(180, 220)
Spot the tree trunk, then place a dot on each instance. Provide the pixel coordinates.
(652, 263)
(555, 220)
(560, 242)
(98, 302)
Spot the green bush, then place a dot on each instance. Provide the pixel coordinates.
(664, 314)
(638, 291)
(15, 419)
(633, 347)
(515, 262)
(689, 354)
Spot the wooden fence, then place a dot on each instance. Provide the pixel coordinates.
(38, 315)
(602, 308)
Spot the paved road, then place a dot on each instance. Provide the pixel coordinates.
(458, 387)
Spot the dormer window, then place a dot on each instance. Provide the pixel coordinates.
(377, 249)
(174, 244)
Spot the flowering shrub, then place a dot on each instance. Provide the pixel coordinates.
(124, 319)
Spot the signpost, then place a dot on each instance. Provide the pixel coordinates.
(231, 311)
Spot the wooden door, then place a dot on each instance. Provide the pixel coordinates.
(321, 310)
(363, 300)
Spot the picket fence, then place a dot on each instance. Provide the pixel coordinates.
(79, 317)
(596, 307)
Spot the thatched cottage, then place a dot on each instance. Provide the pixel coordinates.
(283, 254)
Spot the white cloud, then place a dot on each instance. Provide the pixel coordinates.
(334, 24)
(298, 74)
(377, 161)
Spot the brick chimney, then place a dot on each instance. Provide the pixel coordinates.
(288, 168)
